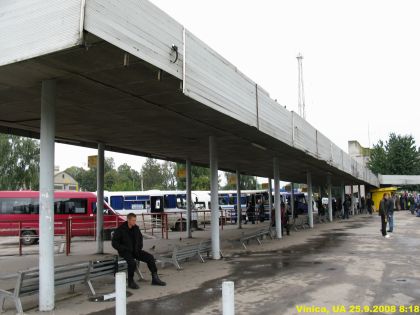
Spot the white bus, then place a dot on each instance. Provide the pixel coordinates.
(152, 202)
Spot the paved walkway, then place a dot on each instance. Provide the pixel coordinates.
(341, 263)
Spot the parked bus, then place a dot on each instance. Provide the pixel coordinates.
(172, 203)
(23, 207)
(300, 205)
(227, 202)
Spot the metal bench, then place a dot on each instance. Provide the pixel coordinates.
(300, 223)
(27, 282)
(257, 235)
(100, 268)
(205, 247)
(186, 252)
(110, 266)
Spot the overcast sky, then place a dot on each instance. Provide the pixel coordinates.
(361, 61)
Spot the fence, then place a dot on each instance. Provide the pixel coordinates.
(27, 230)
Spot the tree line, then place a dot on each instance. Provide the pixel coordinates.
(154, 175)
(19, 168)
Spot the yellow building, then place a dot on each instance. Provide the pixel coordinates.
(63, 181)
(378, 193)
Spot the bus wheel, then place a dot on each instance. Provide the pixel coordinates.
(28, 237)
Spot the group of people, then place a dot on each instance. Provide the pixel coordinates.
(342, 209)
(128, 240)
(255, 212)
(407, 201)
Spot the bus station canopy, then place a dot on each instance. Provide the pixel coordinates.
(133, 78)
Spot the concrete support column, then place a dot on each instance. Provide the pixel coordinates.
(238, 199)
(292, 199)
(277, 204)
(214, 186)
(270, 199)
(359, 195)
(46, 197)
(352, 199)
(330, 212)
(310, 210)
(100, 199)
(188, 180)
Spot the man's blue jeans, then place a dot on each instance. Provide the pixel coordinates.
(391, 222)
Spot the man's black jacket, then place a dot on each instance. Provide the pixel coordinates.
(123, 243)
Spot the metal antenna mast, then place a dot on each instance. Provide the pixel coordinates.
(301, 91)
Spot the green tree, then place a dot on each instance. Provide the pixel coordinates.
(378, 162)
(169, 175)
(403, 156)
(19, 163)
(78, 173)
(200, 178)
(247, 182)
(398, 155)
(151, 172)
(87, 179)
(126, 179)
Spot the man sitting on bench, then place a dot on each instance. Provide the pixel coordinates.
(128, 241)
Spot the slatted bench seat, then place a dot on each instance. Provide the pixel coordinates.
(27, 282)
(300, 222)
(186, 252)
(100, 268)
(257, 235)
(205, 247)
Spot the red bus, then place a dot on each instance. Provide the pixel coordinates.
(19, 211)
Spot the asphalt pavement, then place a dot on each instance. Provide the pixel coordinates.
(344, 267)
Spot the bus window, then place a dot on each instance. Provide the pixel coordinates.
(106, 209)
(169, 201)
(70, 206)
(117, 202)
(19, 206)
(223, 200)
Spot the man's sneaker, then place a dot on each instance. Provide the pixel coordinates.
(387, 236)
(133, 285)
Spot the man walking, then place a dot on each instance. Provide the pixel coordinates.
(383, 214)
(128, 241)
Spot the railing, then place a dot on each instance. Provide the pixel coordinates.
(15, 228)
(154, 221)
(68, 228)
(225, 215)
(86, 226)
